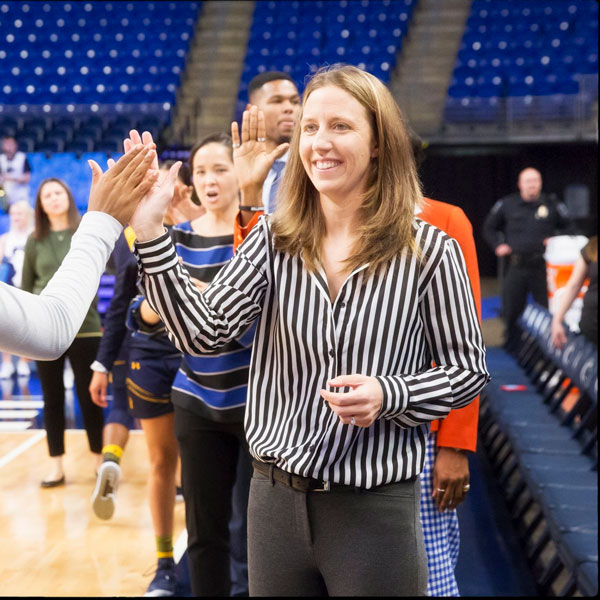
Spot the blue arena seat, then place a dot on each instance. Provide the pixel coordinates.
(539, 48)
(544, 452)
(366, 33)
(86, 41)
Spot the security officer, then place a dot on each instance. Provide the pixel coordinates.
(518, 227)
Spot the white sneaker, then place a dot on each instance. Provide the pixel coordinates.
(68, 378)
(23, 369)
(7, 370)
(103, 498)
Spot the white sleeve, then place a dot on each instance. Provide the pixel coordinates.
(44, 326)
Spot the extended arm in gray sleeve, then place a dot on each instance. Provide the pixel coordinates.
(43, 327)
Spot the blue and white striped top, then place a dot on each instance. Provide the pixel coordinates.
(213, 385)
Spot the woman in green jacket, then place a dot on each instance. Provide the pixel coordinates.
(56, 220)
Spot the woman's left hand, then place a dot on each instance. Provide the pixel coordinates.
(450, 478)
(361, 405)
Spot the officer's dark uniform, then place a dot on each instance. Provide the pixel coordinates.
(524, 226)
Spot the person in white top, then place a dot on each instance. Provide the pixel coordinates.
(15, 171)
(43, 327)
(12, 252)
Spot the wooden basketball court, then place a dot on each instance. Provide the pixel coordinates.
(52, 542)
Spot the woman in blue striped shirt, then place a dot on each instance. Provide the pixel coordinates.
(209, 391)
(366, 332)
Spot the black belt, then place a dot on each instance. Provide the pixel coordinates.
(297, 482)
(524, 260)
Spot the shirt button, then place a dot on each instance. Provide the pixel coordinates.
(331, 353)
(343, 305)
(312, 447)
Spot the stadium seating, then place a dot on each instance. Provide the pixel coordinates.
(539, 427)
(535, 57)
(60, 60)
(296, 37)
(74, 170)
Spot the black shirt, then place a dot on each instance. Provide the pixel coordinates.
(525, 225)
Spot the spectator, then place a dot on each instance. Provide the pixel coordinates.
(56, 220)
(12, 253)
(15, 172)
(320, 279)
(585, 267)
(518, 227)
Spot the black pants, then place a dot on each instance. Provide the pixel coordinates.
(520, 280)
(336, 543)
(211, 462)
(81, 354)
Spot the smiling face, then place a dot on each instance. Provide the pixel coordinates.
(280, 102)
(54, 199)
(214, 177)
(336, 143)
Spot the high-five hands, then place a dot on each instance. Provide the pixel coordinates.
(361, 405)
(147, 220)
(120, 189)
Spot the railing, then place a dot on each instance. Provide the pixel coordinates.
(556, 117)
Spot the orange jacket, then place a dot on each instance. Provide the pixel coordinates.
(459, 428)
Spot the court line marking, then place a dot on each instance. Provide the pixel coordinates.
(18, 414)
(32, 441)
(21, 404)
(14, 426)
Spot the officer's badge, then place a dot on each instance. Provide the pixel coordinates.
(542, 212)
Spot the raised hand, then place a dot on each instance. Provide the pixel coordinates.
(182, 209)
(147, 220)
(251, 159)
(361, 405)
(120, 189)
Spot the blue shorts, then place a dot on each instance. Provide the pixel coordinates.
(119, 410)
(149, 382)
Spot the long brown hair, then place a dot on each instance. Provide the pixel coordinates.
(393, 189)
(42, 223)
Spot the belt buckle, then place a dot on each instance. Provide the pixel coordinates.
(326, 487)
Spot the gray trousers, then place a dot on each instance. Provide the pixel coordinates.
(337, 543)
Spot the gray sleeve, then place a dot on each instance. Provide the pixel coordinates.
(43, 327)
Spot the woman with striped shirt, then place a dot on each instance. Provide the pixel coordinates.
(354, 299)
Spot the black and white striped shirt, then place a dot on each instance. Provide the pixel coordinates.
(391, 325)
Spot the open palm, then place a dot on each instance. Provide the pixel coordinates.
(251, 159)
(147, 220)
